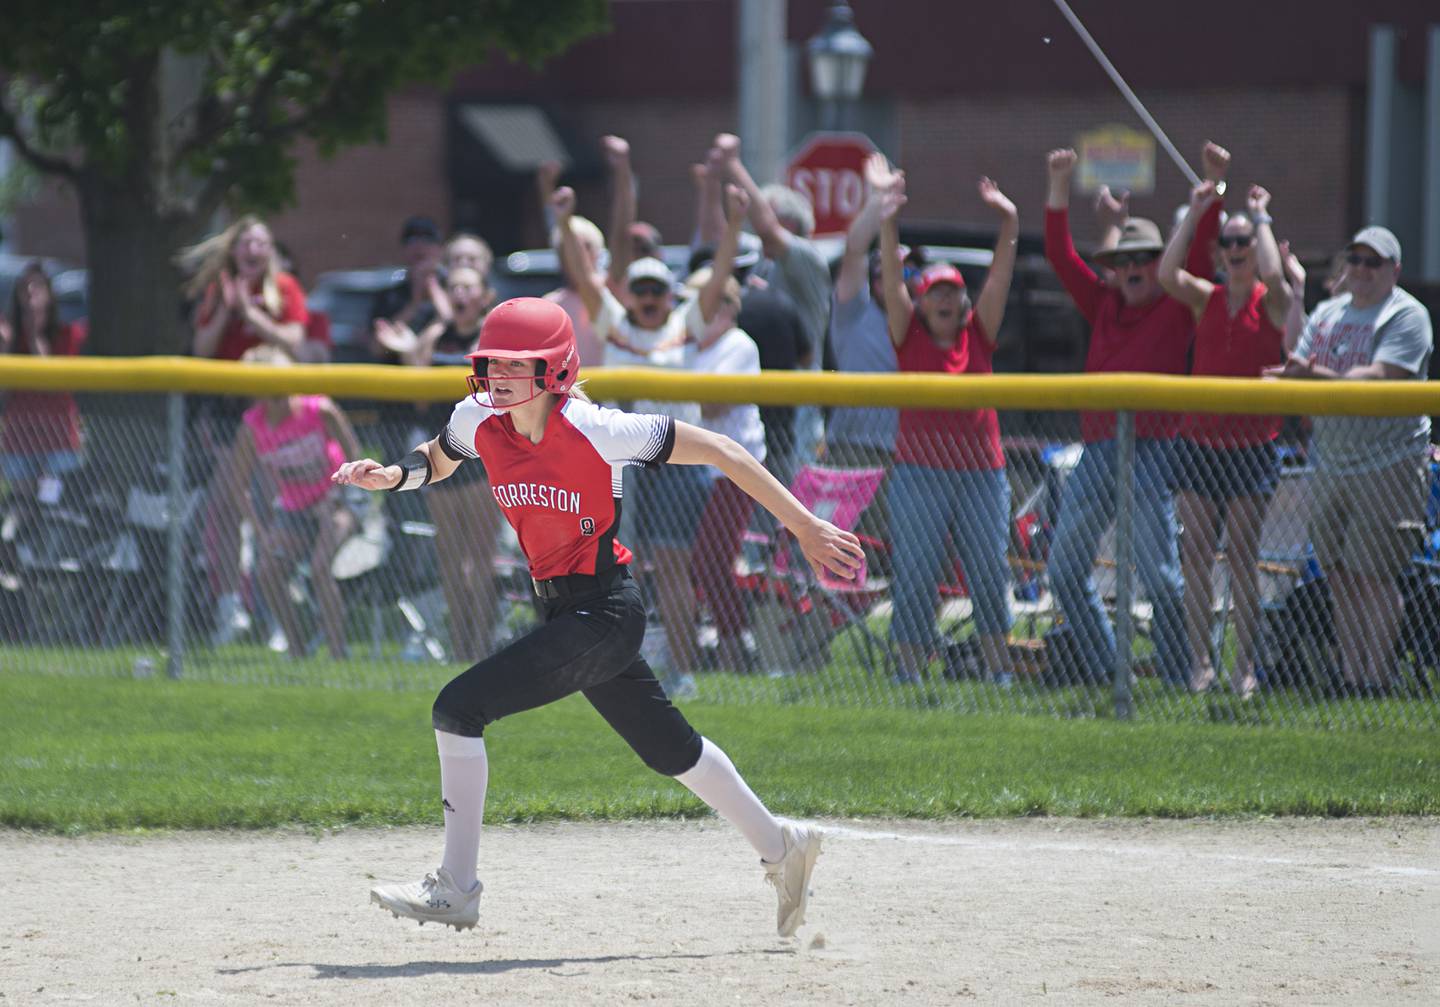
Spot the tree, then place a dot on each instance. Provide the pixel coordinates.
(160, 112)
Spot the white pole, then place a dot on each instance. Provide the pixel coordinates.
(1430, 219)
(1379, 117)
(760, 67)
(1134, 101)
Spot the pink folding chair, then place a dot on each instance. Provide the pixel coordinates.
(827, 604)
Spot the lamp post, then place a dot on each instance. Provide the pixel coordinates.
(839, 57)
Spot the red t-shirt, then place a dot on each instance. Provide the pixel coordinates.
(1234, 347)
(965, 439)
(562, 496)
(1154, 337)
(42, 422)
(237, 336)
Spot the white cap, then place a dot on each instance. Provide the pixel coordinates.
(649, 268)
(1381, 239)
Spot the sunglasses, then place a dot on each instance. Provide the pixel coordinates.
(1368, 261)
(649, 289)
(1236, 240)
(1122, 259)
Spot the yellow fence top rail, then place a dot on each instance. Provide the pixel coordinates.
(916, 391)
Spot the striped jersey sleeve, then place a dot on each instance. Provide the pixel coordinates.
(458, 440)
(623, 438)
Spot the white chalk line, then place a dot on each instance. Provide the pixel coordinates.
(1127, 850)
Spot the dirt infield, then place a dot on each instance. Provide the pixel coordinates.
(1074, 912)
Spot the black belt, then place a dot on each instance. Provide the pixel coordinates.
(574, 584)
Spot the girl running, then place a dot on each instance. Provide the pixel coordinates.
(554, 462)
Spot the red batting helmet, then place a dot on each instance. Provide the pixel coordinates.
(528, 328)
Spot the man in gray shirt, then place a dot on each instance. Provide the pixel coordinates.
(1369, 494)
(784, 222)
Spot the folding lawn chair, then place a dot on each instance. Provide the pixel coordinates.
(795, 614)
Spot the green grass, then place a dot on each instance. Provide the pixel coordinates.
(93, 753)
(844, 683)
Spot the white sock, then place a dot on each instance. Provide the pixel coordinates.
(464, 774)
(715, 781)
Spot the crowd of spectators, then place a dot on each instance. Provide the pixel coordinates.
(1221, 297)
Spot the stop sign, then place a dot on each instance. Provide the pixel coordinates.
(829, 170)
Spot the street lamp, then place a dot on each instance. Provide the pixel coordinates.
(839, 56)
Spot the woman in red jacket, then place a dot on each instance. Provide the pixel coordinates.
(1227, 466)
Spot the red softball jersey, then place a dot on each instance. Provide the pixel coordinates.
(562, 496)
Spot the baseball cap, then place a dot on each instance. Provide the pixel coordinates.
(420, 228)
(1381, 239)
(1136, 235)
(939, 272)
(649, 269)
(746, 255)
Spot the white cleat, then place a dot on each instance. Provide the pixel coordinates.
(791, 875)
(437, 899)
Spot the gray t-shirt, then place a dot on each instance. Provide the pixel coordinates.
(1339, 336)
(860, 341)
(806, 278)
(803, 275)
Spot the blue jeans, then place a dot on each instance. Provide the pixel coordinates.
(974, 509)
(1086, 511)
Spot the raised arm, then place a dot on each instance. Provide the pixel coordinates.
(1083, 286)
(572, 256)
(996, 292)
(547, 176)
(854, 271)
(1187, 288)
(710, 198)
(622, 206)
(774, 238)
(736, 203)
(898, 306)
(1295, 318)
(1201, 262)
(1267, 257)
(1110, 214)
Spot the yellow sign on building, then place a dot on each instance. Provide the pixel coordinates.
(1117, 156)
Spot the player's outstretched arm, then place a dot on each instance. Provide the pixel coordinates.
(824, 545)
(369, 474)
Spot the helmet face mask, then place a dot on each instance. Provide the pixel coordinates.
(479, 381)
(527, 328)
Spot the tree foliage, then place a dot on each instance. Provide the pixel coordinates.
(187, 102)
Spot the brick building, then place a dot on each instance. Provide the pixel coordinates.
(954, 91)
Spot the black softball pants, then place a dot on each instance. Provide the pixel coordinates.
(589, 643)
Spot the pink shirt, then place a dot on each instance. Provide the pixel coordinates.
(299, 452)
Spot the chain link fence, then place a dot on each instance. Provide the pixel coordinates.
(1265, 570)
